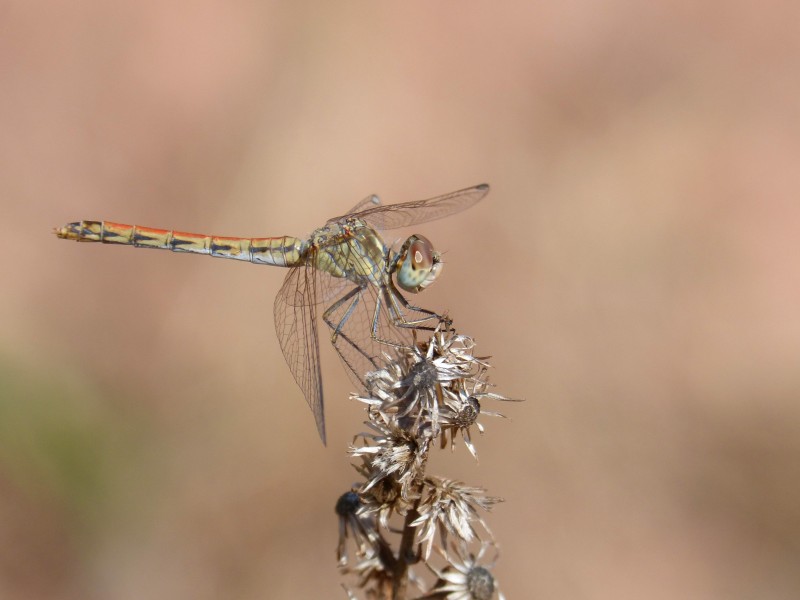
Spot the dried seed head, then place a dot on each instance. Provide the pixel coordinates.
(421, 376)
(480, 584)
(352, 523)
(451, 509)
(347, 504)
(468, 413)
(465, 578)
(432, 388)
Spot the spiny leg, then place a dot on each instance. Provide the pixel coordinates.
(355, 294)
(354, 297)
(396, 318)
(396, 314)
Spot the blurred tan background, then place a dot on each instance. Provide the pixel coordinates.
(633, 273)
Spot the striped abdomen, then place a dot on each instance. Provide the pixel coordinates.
(285, 251)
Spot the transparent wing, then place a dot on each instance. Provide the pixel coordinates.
(352, 314)
(419, 211)
(361, 331)
(296, 326)
(370, 201)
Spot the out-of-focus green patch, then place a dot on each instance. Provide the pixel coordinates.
(60, 442)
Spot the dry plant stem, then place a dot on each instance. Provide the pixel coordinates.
(405, 555)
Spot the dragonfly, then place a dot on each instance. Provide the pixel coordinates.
(344, 269)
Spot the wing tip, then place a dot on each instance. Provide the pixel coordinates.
(322, 435)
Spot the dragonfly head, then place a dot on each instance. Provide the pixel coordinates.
(419, 264)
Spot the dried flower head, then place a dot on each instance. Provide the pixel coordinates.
(429, 390)
(465, 578)
(371, 574)
(382, 499)
(462, 407)
(450, 507)
(393, 452)
(353, 522)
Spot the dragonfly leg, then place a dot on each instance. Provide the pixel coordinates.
(396, 317)
(354, 297)
(396, 312)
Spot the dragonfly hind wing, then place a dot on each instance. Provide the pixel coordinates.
(296, 327)
(371, 201)
(405, 214)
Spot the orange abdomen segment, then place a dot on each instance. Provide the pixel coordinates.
(285, 251)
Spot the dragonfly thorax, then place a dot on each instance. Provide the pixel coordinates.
(351, 250)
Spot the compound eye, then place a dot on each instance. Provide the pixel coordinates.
(419, 264)
(420, 252)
